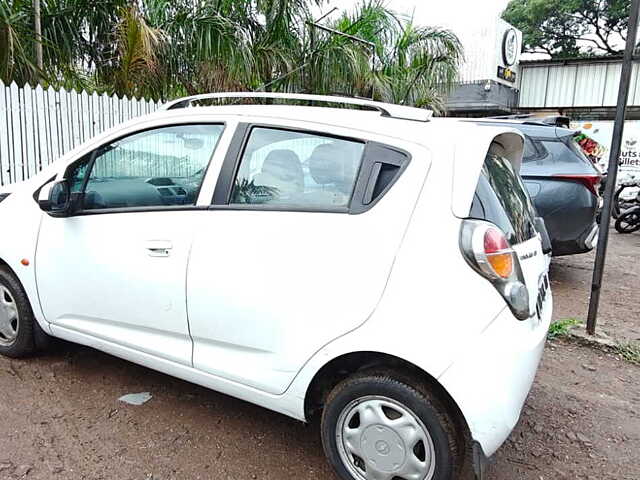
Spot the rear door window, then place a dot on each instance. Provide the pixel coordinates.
(297, 169)
(502, 199)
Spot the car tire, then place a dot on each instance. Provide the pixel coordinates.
(629, 221)
(367, 423)
(18, 327)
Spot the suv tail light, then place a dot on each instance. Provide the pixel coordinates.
(485, 247)
(592, 182)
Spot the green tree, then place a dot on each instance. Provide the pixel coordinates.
(168, 48)
(406, 63)
(569, 28)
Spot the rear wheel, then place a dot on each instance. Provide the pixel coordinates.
(17, 324)
(616, 208)
(375, 427)
(629, 221)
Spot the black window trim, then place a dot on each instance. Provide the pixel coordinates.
(222, 193)
(153, 208)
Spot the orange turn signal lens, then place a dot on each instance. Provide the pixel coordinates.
(502, 263)
(498, 252)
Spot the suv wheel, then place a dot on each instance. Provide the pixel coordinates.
(17, 324)
(377, 427)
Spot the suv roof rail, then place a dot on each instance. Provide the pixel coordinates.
(530, 119)
(515, 116)
(386, 109)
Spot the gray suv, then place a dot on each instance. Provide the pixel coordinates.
(562, 182)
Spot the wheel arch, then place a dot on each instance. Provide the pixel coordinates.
(5, 264)
(345, 365)
(32, 297)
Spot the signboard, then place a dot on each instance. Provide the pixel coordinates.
(510, 47)
(507, 74)
(602, 132)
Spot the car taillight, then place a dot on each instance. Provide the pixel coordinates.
(486, 248)
(498, 253)
(592, 182)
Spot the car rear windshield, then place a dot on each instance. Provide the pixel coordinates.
(501, 199)
(552, 151)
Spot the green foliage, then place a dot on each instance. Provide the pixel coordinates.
(167, 48)
(570, 28)
(630, 352)
(561, 327)
(246, 191)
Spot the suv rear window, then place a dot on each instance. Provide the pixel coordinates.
(552, 151)
(501, 199)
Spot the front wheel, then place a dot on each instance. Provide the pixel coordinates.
(375, 427)
(629, 221)
(18, 327)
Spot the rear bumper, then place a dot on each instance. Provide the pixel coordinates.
(490, 383)
(583, 243)
(569, 211)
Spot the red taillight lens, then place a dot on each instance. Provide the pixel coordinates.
(590, 181)
(498, 252)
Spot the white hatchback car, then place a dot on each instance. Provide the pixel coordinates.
(378, 266)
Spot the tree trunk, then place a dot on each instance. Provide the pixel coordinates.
(38, 31)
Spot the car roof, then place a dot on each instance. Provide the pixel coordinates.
(435, 129)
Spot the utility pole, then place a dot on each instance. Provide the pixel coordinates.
(612, 171)
(38, 30)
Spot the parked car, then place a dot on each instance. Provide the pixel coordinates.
(382, 269)
(562, 182)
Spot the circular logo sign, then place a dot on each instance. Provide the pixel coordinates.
(510, 47)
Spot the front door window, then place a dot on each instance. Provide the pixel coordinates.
(160, 167)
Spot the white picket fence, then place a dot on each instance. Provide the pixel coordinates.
(38, 125)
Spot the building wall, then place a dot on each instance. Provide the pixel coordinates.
(580, 85)
(480, 91)
(483, 52)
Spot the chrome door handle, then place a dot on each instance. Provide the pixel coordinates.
(158, 248)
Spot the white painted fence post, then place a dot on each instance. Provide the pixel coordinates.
(38, 126)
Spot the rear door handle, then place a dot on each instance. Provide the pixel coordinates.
(158, 248)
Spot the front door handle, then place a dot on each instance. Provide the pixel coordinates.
(158, 248)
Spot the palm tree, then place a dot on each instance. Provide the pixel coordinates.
(207, 45)
(138, 44)
(15, 31)
(407, 64)
(165, 48)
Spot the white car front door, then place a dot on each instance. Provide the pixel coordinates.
(297, 247)
(116, 269)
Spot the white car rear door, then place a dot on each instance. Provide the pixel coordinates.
(297, 247)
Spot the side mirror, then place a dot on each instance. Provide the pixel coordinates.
(57, 202)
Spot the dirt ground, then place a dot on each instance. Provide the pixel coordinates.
(619, 313)
(60, 417)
